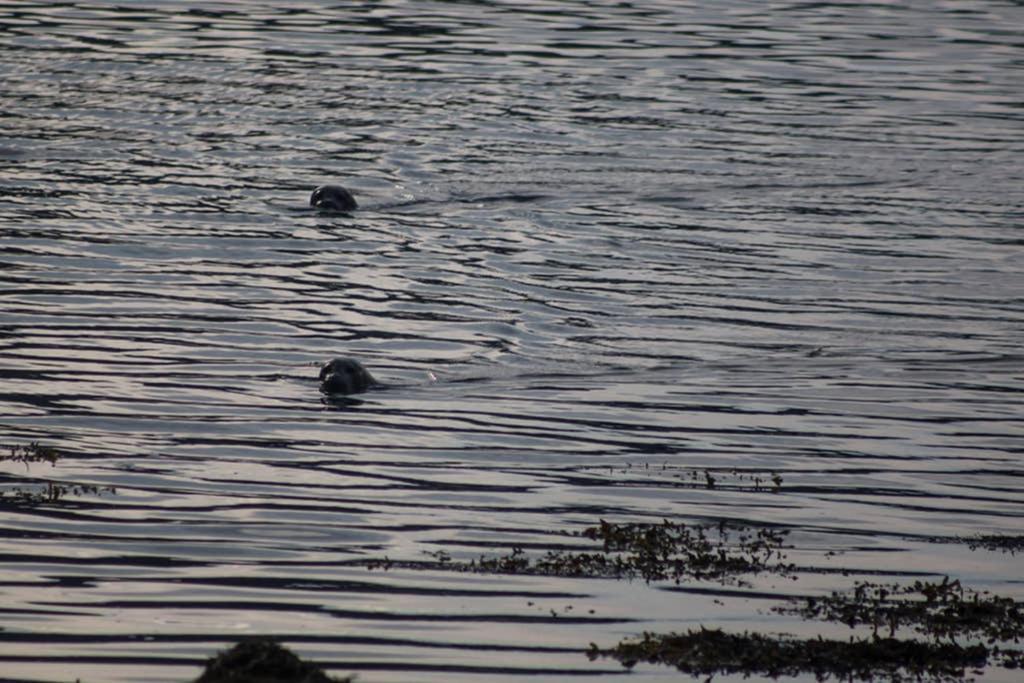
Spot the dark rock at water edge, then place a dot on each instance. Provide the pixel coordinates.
(261, 660)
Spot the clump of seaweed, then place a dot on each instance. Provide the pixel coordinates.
(51, 493)
(41, 492)
(33, 452)
(712, 651)
(940, 610)
(729, 479)
(1004, 543)
(261, 660)
(653, 552)
(671, 551)
(732, 479)
(996, 542)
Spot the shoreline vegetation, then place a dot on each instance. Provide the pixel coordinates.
(938, 631)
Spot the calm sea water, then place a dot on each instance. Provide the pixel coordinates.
(630, 241)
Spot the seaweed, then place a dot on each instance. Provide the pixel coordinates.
(940, 610)
(1005, 543)
(669, 550)
(50, 492)
(730, 479)
(42, 492)
(996, 542)
(708, 652)
(33, 452)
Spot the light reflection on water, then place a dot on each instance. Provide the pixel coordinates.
(629, 242)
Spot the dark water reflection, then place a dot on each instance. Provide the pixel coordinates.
(629, 241)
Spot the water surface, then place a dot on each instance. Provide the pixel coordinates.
(630, 242)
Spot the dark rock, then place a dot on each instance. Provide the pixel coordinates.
(261, 660)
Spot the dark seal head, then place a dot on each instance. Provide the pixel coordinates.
(333, 198)
(345, 376)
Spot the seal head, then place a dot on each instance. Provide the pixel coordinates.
(333, 198)
(345, 376)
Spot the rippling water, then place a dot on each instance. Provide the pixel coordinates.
(630, 242)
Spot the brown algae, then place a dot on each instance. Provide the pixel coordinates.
(940, 610)
(707, 652)
(40, 492)
(33, 452)
(653, 552)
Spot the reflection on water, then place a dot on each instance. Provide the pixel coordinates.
(636, 246)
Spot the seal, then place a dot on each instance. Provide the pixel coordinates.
(345, 376)
(333, 198)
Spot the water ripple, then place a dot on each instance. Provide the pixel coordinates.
(716, 263)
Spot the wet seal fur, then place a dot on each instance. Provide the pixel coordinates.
(333, 198)
(343, 376)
